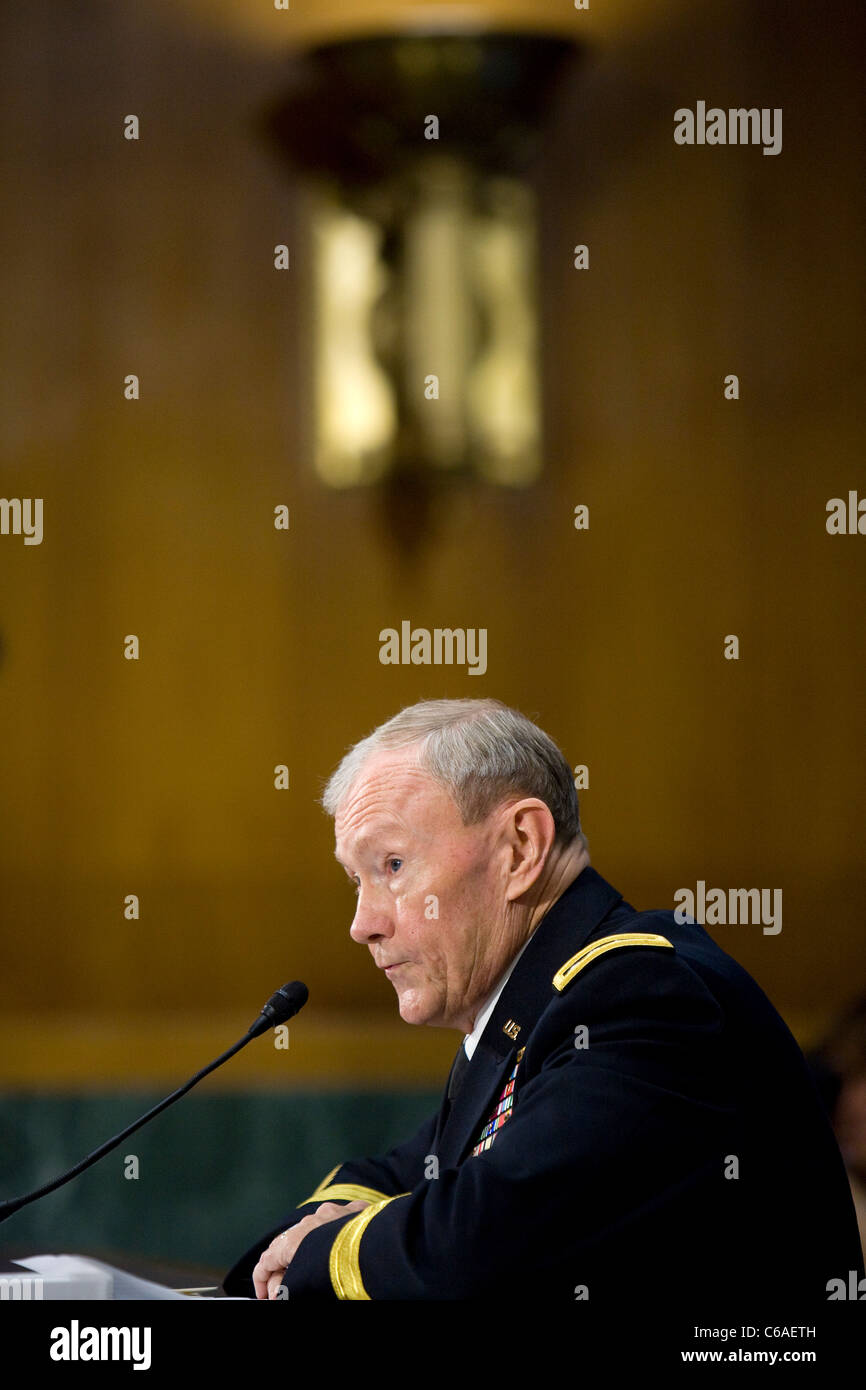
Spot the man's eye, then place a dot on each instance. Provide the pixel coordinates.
(392, 862)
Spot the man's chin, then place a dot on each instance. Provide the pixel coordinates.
(412, 1014)
(414, 1010)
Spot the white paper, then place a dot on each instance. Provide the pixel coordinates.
(78, 1278)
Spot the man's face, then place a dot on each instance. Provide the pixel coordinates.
(431, 890)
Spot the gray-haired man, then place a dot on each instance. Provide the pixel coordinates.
(625, 1104)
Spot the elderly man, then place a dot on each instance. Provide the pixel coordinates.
(627, 1116)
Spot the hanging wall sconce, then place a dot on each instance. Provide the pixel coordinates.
(417, 151)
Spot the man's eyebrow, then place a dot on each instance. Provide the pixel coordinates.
(361, 845)
(359, 848)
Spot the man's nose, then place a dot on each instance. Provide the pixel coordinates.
(371, 920)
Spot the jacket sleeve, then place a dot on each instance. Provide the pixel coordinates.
(364, 1179)
(598, 1135)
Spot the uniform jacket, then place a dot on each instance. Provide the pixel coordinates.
(662, 1140)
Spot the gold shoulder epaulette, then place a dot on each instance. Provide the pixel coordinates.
(566, 973)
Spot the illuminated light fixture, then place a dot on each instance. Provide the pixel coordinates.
(423, 281)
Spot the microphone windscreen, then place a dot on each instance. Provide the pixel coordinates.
(288, 1001)
(284, 1004)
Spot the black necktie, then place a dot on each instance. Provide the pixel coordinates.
(461, 1062)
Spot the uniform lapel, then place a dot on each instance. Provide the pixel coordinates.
(479, 1091)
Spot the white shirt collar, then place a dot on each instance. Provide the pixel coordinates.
(470, 1042)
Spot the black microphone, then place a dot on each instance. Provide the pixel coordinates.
(284, 1004)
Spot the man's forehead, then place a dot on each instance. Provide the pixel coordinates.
(389, 788)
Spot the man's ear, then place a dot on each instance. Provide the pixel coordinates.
(530, 834)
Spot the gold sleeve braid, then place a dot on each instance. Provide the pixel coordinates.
(342, 1191)
(344, 1264)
